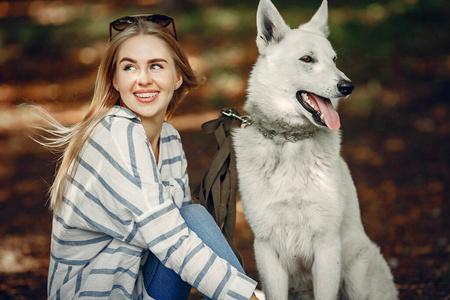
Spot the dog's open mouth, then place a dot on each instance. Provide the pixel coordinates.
(320, 108)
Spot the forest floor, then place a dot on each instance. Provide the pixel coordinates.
(396, 136)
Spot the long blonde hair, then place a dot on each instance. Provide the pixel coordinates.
(69, 140)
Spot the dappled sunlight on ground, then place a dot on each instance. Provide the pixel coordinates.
(395, 125)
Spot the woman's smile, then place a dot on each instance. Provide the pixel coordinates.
(146, 96)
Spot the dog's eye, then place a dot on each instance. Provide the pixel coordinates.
(334, 59)
(306, 58)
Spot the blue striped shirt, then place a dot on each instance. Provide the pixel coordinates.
(119, 204)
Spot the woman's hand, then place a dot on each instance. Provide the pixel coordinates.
(254, 297)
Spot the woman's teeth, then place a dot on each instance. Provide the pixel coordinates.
(146, 95)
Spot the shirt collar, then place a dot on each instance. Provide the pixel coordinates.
(120, 111)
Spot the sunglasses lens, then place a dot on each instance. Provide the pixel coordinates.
(160, 19)
(122, 23)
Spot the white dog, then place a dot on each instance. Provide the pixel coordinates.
(297, 192)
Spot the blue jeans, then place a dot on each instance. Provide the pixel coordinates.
(163, 283)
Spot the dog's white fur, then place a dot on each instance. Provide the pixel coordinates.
(299, 198)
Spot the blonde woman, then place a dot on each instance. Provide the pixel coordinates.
(124, 224)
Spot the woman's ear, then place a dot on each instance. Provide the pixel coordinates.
(115, 85)
(179, 81)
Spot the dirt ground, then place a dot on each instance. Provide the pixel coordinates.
(397, 150)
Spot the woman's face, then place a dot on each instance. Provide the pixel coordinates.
(146, 77)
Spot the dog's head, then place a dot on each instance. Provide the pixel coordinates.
(296, 74)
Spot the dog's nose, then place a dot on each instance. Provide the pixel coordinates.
(345, 87)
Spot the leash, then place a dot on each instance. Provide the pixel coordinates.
(218, 187)
(232, 112)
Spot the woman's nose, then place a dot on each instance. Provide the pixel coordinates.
(144, 78)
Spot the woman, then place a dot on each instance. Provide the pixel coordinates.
(124, 225)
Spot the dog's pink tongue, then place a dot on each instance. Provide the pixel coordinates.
(330, 115)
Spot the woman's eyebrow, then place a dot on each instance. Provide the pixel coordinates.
(153, 60)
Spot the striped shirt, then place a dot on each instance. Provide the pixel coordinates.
(119, 204)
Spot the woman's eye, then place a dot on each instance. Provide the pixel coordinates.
(156, 67)
(306, 58)
(129, 67)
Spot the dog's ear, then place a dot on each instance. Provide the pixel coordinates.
(319, 22)
(270, 24)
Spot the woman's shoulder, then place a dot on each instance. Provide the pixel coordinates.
(120, 122)
(117, 124)
(169, 133)
(169, 128)
(119, 113)
(120, 118)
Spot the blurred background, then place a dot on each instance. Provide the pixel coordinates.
(395, 125)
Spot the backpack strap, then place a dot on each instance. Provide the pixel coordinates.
(218, 187)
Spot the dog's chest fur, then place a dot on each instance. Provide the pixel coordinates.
(290, 195)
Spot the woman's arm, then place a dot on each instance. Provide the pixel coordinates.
(160, 227)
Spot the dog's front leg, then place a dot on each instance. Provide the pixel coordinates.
(327, 267)
(274, 278)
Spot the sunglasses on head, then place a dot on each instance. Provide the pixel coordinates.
(124, 22)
